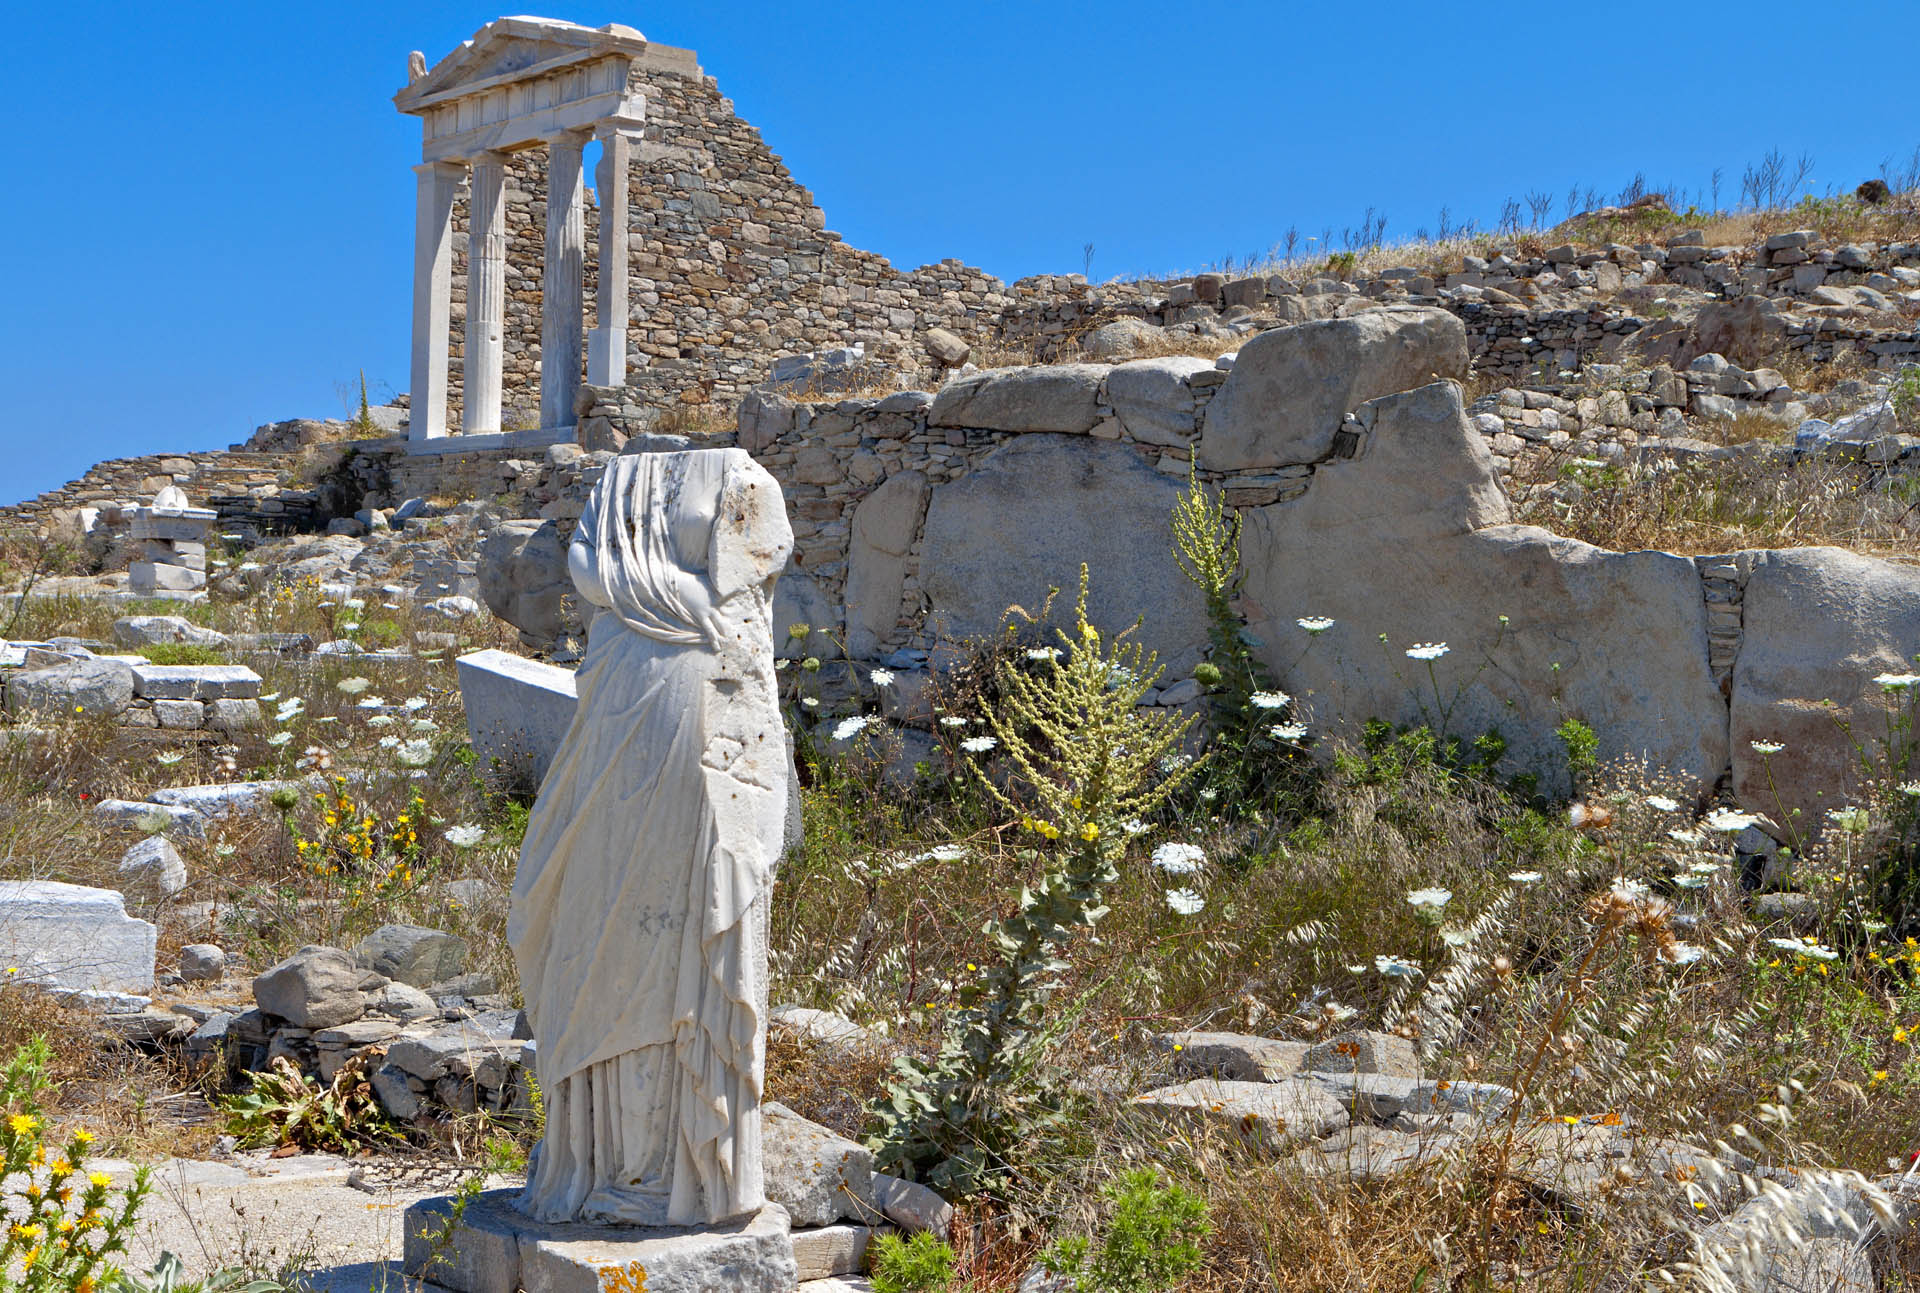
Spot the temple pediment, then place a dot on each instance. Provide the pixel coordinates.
(514, 48)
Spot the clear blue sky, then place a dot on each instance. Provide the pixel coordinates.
(206, 214)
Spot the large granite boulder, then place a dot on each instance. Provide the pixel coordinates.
(1291, 388)
(413, 954)
(1408, 540)
(1153, 398)
(1036, 507)
(91, 685)
(1819, 625)
(818, 1176)
(884, 527)
(316, 987)
(1049, 397)
(524, 580)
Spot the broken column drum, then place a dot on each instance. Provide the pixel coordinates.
(640, 903)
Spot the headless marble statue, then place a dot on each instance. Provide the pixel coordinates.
(640, 902)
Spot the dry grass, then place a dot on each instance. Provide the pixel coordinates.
(1692, 508)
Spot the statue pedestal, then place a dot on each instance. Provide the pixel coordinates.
(497, 1249)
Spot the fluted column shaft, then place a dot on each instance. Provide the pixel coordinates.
(486, 294)
(562, 296)
(607, 348)
(432, 297)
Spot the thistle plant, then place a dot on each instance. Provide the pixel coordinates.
(1083, 761)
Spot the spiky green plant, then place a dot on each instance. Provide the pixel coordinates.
(1081, 761)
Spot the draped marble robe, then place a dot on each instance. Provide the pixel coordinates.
(639, 904)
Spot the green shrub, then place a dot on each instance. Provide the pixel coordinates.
(919, 1264)
(180, 653)
(1152, 1239)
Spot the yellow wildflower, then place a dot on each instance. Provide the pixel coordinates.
(100, 1179)
(23, 1124)
(1090, 832)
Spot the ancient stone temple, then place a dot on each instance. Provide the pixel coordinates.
(522, 86)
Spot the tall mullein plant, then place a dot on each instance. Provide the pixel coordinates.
(1081, 761)
(1248, 756)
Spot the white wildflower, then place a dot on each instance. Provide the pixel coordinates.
(1134, 826)
(168, 759)
(1728, 820)
(349, 626)
(279, 738)
(1426, 650)
(1805, 947)
(1524, 877)
(1855, 820)
(939, 853)
(1185, 901)
(1455, 937)
(782, 663)
(1692, 837)
(370, 702)
(848, 728)
(355, 603)
(810, 702)
(1287, 731)
(1682, 953)
(1179, 859)
(267, 696)
(381, 720)
(416, 753)
(1690, 881)
(414, 704)
(1766, 747)
(1395, 968)
(1898, 681)
(290, 709)
(424, 725)
(978, 744)
(1269, 699)
(1909, 788)
(353, 686)
(1314, 623)
(389, 742)
(464, 837)
(953, 720)
(882, 677)
(1043, 655)
(1430, 899)
(1663, 804)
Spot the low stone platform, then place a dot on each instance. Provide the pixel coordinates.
(496, 1249)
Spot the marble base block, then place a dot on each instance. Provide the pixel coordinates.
(497, 1249)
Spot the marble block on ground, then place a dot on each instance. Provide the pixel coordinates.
(195, 682)
(517, 710)
(497, 1249)
(74, 937)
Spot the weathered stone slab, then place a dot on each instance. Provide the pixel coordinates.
(1365, 1051)
(225, 799)
(195, 682)
(151, 630)
(821, 1252)
(92, 685)
(517, 711)
(1236, 1057)
(1052, 397)
(1023, 520)
(885, 525)
(1818, 626)
(71, 936)
(1268, 1115)
(156, 865)
(316, 987)
(152, 576)
(1406, 539)
(171, 818)
(496, 1249)
(1290, 388)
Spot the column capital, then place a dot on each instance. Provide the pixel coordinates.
(487, 157)
(608, 127)
(424, 169)
(573, 137)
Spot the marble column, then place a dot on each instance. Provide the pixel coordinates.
(607, 348)
(432, 297)
(562, 302)
(486, 294)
